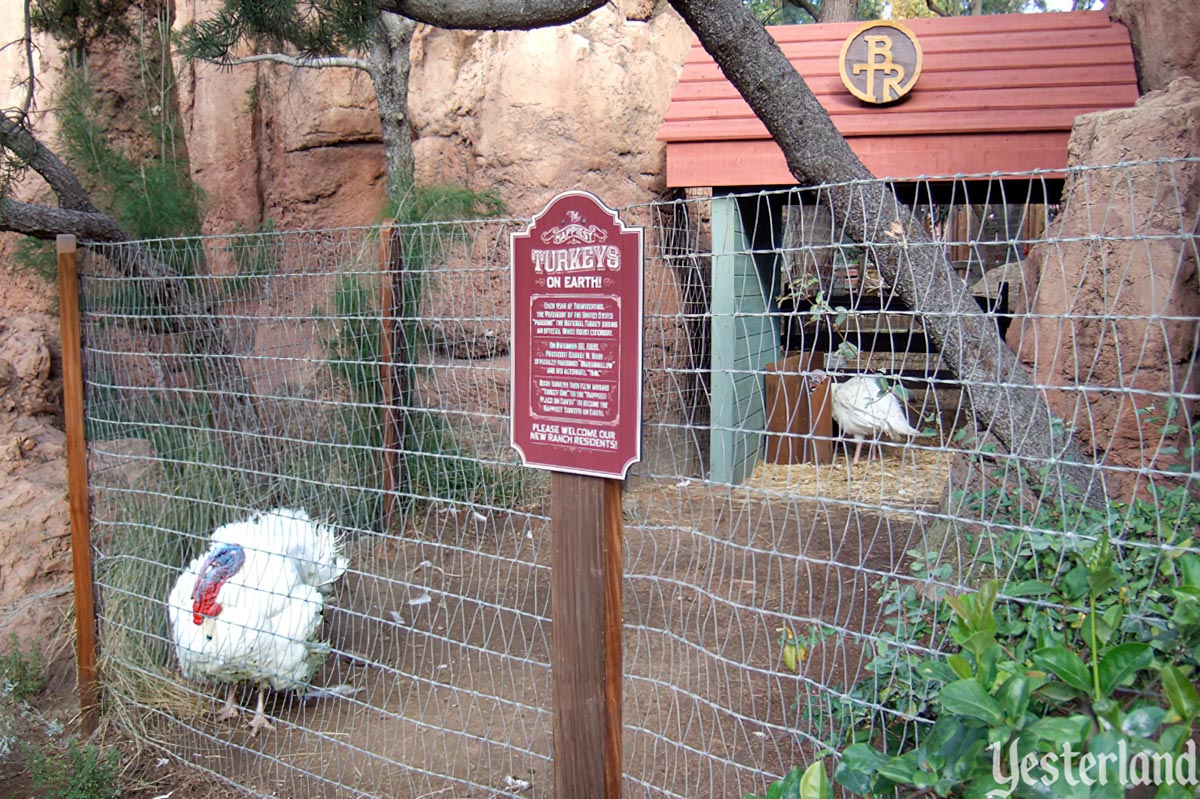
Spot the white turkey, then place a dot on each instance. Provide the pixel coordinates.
(865, 405)
(250, 607)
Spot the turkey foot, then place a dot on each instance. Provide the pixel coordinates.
(230, 711)
(259, 722)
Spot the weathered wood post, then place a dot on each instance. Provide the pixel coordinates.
(77, 484)
(395, 368)
(576, 409)
(585, 652)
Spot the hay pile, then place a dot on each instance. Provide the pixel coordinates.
(906, 479)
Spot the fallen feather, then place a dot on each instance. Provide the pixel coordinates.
(331, 691)
(428, 564)
(517, 784)
(423, 599)
(396, 617)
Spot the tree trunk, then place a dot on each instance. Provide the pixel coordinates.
(1005, 402)
(492, 15)
(216, 369)
(390, 66)
(838, 10)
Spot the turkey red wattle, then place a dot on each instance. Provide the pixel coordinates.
(218, 567)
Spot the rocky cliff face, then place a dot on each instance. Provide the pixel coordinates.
(35, 560)
(532, 114)
(526, 114)
(1164, 39)
(1121, 257)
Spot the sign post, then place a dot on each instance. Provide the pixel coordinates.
(576, 410)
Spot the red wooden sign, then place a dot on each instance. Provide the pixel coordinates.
(577, 339)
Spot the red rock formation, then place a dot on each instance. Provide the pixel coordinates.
(1116, 306)
(1164, 39)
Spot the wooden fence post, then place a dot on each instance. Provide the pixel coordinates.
(77, 484)
(395, 356)
(585, 597)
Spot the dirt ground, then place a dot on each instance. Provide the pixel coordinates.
(34, 556)
(443, 633)
(47, 721)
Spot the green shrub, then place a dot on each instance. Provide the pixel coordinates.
(81, 771)
(22, 672)
(1085, 633)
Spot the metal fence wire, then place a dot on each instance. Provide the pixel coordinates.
(778, 594)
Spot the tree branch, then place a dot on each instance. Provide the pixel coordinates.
(27, 104)
(493, 15)
(806, 6)
(294, 61)
(20, 141)
(46, 222)
(935, 8)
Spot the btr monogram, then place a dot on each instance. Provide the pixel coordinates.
(881, 62)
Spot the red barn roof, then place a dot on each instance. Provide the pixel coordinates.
(996, 93)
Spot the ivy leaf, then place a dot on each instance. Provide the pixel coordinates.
(941, 671)
(1143, 722)
(1189, 568)
(1030, 588)
(1064, 664)
(857, 768)
(1074, 729)
(960, 666)
(1181, 693)
(900, 769)
(1057, 691)
(968, 698)
(1120, 662)
(815, 783)
(1014, 697)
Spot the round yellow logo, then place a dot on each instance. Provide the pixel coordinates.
(880, 62)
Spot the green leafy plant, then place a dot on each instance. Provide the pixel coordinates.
(22, 672)
(1085, 633)
(810, 783)
(434, 460)
(895, 683)
(1106, 695)
(80, 771)
(1114, 700)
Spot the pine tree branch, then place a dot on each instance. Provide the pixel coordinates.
(20, 141)
(27, 104)
(46, 222)
(806, 6)
(294, 61)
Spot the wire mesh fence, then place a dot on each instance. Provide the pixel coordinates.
(782, 583)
